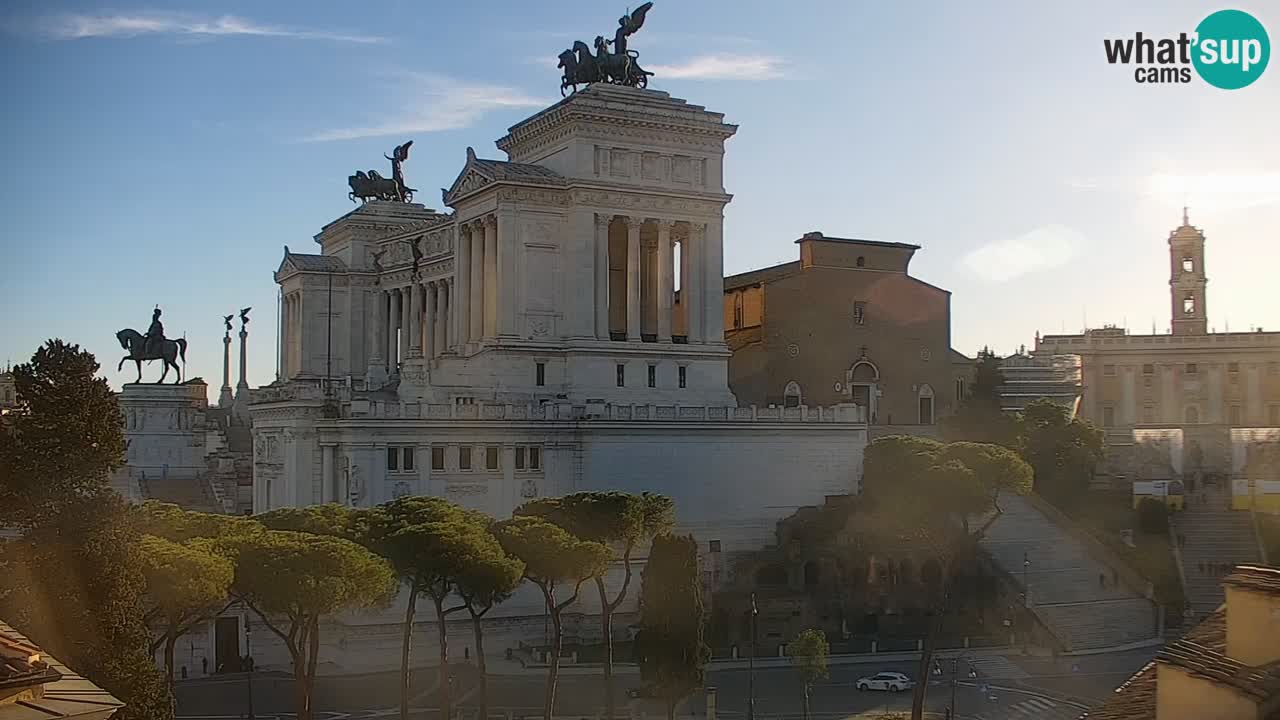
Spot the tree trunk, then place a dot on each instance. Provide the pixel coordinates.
(313, 654)
(405, 643)
(920, 691)
(298, 655)
(170, 639)
(446, 697)
(606, 629)
(671, 708)
(557, 642)
(481, 668)
(806, 701)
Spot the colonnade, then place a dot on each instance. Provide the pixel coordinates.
(635, 280)
(413, 321)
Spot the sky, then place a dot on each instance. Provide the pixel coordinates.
(165, 153)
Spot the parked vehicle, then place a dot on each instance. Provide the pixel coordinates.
(887, 681)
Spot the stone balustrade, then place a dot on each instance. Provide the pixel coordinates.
(602, 412)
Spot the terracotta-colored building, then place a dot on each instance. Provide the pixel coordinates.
(846, 323)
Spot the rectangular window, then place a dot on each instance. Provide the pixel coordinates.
(1192, 369)
(407, 465)
(1148, 369)
(519, 458)
(859, 313)
(622, 375)
(541, 373)
(1188, 265)
(683, 376)
(437, 458)
(535, 458)
(393, 459)
(1233, 367)
(1109, 370)
(1233, 415)
(1108, 416)
(491, 458)
(464, 457)
(1189, 305)
(715, 546)
(653, 376)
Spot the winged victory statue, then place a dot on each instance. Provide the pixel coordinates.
(619, 66)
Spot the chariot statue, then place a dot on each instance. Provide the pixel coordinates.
(372, 186)
(152, 346)
(619, 67)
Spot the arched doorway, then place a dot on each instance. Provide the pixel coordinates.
(863, 383)
(924, 397)
(791, 395)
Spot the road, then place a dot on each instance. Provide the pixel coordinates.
(1013, 688)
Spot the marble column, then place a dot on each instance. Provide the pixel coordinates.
(430, 347)
(696, 296)
(602, 276)
(328, 481)
(633, 278)
(477, 282)
(377, 358)
(490, 276)
(394, 331)
(413, 331)
(442, 314)
(462, 279)
(666, 280)
(713, 274)
(685, 315)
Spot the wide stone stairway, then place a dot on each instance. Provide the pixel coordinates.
(1217, 538)
(1073, 593)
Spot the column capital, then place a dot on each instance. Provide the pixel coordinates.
(663, 223)
(631, 221)
(489, 220)
(603, 220)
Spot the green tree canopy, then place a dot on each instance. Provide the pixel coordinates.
(64, 442)
(619, 520)
(185, 583)
(1062, 451)
(553, 557)
(292, 579)
(808, 653)
(670, 647)
(490, 577)
(998, 467)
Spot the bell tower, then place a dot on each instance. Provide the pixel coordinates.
(1187, 279)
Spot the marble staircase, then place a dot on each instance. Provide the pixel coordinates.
(1075, 594)
(1217, 538)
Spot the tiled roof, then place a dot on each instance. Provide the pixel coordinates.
(1253, 577)
(317, 263)
(520, 172)
(751, 277)
(66, 694)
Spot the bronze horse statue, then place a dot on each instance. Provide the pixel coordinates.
(170, 350)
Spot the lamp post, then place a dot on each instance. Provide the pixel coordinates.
(248, 634)
(1026, 601)
(751, 663)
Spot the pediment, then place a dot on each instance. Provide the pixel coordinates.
(472, 178)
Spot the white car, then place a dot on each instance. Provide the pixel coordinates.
(887, 681)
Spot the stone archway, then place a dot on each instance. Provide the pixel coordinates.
(863, 383)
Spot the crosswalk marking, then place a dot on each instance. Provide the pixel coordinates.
(1034, 707)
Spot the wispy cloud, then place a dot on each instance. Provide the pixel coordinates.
(76, 26)
(437, 103)
(723, 67)
(1040, 249)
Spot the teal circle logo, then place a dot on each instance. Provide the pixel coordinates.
(1232, 49)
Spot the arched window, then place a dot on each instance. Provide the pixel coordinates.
(791, 396)
(737, 310)
(1188, 265)
(1189, 305)
(925, 396)
(811, 573)
(862, 261)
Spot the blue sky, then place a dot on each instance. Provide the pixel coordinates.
(166, 152)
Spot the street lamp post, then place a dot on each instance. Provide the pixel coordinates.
(1026, 600)
(248, 634)
(751, 663)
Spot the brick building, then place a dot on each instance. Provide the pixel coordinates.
(846, 323)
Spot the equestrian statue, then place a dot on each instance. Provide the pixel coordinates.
(372, 186)
(618, 67)
(153, 346)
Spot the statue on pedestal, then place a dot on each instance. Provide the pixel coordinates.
(372, 186)
(152, 346)
(618, 67)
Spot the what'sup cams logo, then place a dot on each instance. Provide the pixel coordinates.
(1229, 49)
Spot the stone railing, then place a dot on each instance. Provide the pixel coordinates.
(601, 412)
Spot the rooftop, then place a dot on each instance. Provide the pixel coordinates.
(57, 693)
(1253, 577)
(817, 235)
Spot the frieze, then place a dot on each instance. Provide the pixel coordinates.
(468, 489)
(633, 201)
(556, 198)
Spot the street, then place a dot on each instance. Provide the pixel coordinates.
(1005, 688)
